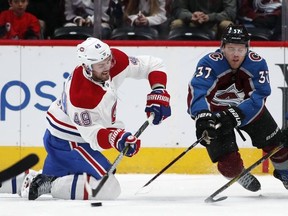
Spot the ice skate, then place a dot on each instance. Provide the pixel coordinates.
(40, 185)
(27, 181)
(282, 175)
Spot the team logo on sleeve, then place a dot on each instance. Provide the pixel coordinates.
(133, 60)
(254, 56)
(216, 56)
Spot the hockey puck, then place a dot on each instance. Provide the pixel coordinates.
(95, 204)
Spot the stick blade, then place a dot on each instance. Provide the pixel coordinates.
(211, 200)
(100, 185)
(19, 167)
(144, 190)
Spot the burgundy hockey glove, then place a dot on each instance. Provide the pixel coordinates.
(119, 139)
(158, 102)
(205, 126)
(229, 119)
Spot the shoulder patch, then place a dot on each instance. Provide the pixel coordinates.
(216, 56)
(254, 56)
(84, 93)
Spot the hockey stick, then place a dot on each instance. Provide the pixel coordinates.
(172, 162)
(19, 167)
(119, 157)
(211, 199)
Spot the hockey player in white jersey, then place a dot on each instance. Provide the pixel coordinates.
(82, 122)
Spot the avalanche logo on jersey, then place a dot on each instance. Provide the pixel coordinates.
(230, 96)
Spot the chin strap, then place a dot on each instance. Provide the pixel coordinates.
(87, 71)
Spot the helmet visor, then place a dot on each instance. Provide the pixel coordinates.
(231, 50)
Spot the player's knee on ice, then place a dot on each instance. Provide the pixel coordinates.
(73, 187)
(19, 184)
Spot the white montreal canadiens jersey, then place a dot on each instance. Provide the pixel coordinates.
(87, 107)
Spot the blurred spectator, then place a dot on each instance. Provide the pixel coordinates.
(146, 13)
(263, 14)
(116, 12)
(81, 13)
(213, 15)
(50, 14)
(172, 8)
(16, 23)
(169, 7)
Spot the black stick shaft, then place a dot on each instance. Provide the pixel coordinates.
(172, 162)
(19, 167)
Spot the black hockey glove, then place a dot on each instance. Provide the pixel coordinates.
(229, 119)
(205, 126)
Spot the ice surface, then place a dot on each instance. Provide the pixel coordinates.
(168, 195)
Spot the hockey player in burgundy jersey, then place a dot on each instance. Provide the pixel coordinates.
(228, 90)
(83, 122)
